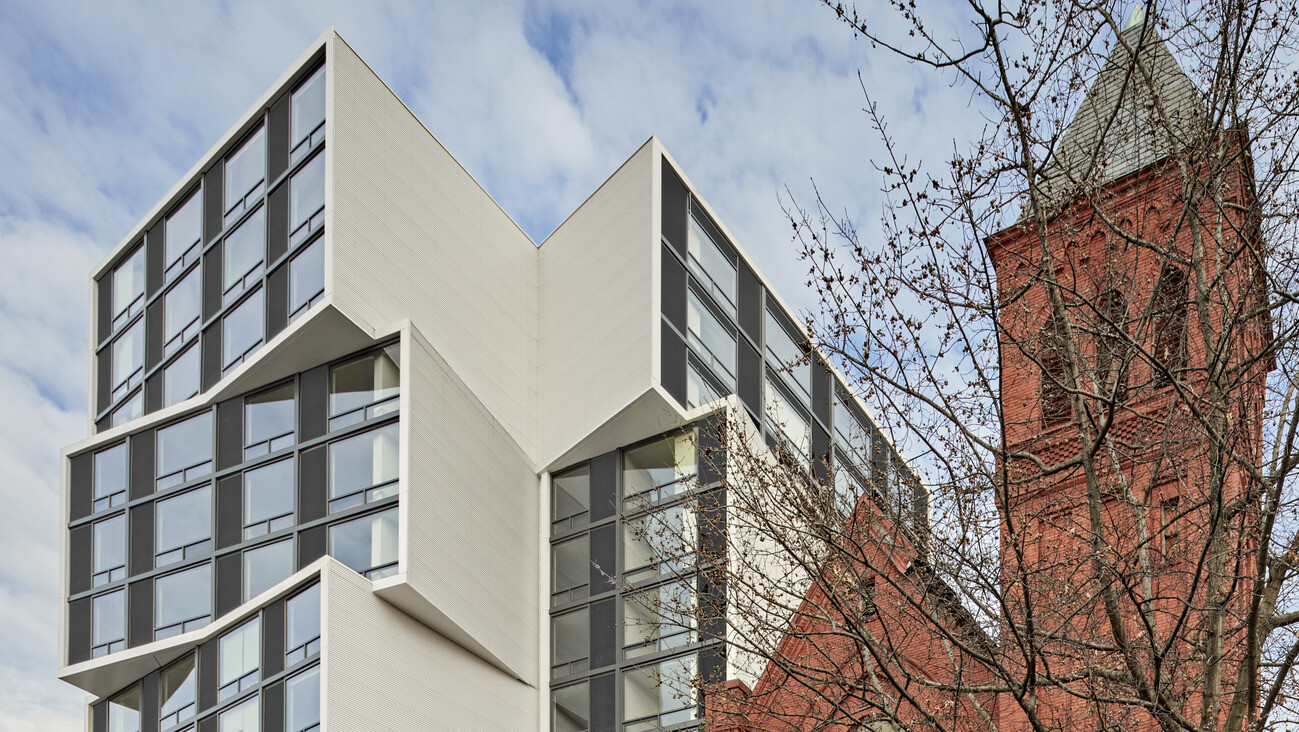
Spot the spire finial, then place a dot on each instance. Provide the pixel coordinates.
(1136, 17)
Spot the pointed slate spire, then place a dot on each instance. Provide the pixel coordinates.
(1133, 115)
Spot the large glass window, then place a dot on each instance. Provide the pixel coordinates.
(302, 625)
(712, 342)
(269, 419)
(302, 701)
(660, 695)
(266, 565)
(128, 360)
(182, 601)
(570, 496)
(247, 717)
(363, 468)
(791, 425)
(308, 115)
(184, 229)
(130, 409)
(185, 450)
(244, 256)
(699, 390)
(242, 330)
(570, 571)
(128, 288)
(179, 693)
(307, 200)
(660, 544)
(245, 178)
(183, 313)
(110, 477)
(108, 623)
(367, 544)
(659, 619)
(660, 468)
(240, 659)
(570, 708)
(109, 560)
(180, 378)
(124, 711)
(183, 526)
(786, 354)
(268, 498)
(306, 279)
(364, 388)
(570, 643)
(850, 434)
(713, 268)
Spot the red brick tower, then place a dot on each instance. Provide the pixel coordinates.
(1150, 204)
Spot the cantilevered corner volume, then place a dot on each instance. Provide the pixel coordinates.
(364, 456)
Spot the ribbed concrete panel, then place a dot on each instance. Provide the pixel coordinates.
(598, 309)
(470, 506)
(414, 236)
(383, 670)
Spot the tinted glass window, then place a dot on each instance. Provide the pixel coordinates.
(269, 419)
(785, 419)
(266, 565)
(570, 708)
(268, 498)
(128, 288)
(306, 278)
(124, 711)
(184, 526)
(570, 570)
(659, 619)
(663, 693)
(308, 107)
(244, 256)
(243, 329)
(110, 477)
(108, 623)
(131, 409)
(664, 462)
(247, 717)
(306, 196)
(128, 360)
(183, 231)
(183, 601)
(109, 563)
(712, 342)
(785, 352)
(240, 662)
(180, 379)
(303, 625)
(367, 544)
(364, 388)
(302, 704)
(185, 450)
(245, 173)
(661, 543)
(182, 313)
(363, 468)
(570, 643)
(713, 268)
(570, 496)
(179, 692)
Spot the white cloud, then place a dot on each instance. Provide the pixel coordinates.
(108, 104)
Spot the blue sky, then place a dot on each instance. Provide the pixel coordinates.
(108, 104)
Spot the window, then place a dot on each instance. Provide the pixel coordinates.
(303, 625)
(570, 571)
(1054, 392)
(109, 556)
(570, 496)
(180, 378)
(108, 623)
(242, 330)
(712, 342)
(570, 708)
(306, 279)
(184, 526)
(659, 619)
(660, 695)
(110, 477)
(240, 659)
(1111, 346)
(308, 115)
(713, 268)
(268, 498)
(124, 711)
(363, 468)
(183, 314)
(660, 544)
(302, 704)
(247, 717)
(1172, 534)
(787, 354)
(307, 200)
(179, 693)
(130, 409)
(269, 419)
(128, 288)
(245, 178)
(699, 390)
(184, 229)
(570, 643)
(266, 565)
(1170, 325)
(367, 544)
(850, 433)
(660, 469)
(185, 450)
(182, 601)
(128, 360)
(364, 388)
(243, 257)
(791, 425)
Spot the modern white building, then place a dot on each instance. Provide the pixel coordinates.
(366, 457)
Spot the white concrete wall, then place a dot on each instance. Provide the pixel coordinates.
(414, 236)
(383, 670)
(599, 306)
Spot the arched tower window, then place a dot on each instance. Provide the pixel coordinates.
(1055, 373)
(1169, 318)
(1111, 344)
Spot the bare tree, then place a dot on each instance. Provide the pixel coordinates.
(1082, 330)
